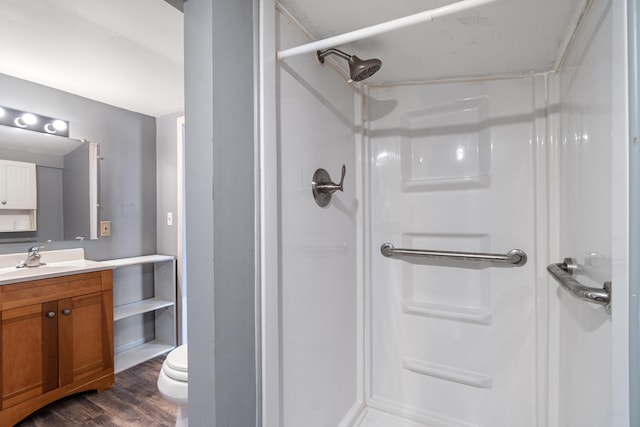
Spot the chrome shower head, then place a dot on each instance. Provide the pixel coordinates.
(359, 69)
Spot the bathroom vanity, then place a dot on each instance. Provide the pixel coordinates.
(56, 333)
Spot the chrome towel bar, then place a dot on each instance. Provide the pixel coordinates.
(516, 257)
(563, 273)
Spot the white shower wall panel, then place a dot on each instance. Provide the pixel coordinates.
(318, 307)
(584, 191)
(453, 167)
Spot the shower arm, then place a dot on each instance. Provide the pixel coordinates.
(322, 53)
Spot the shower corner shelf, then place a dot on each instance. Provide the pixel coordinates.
(137, 348)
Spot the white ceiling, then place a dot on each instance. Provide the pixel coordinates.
(130, 53)
(120, 52)
(505, 37)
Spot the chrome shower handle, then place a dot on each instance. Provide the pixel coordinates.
(322, 186)
(330, 187)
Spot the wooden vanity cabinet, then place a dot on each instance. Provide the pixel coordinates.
(56, 340)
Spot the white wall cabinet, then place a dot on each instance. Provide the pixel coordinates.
(18, 196)
(18, 188)
(144, 314)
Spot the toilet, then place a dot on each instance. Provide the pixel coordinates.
(173, 382)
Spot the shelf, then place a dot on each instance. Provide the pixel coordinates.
(139, 307)
(132, 332)
(141, 353)
(17, 220)
(145, 259)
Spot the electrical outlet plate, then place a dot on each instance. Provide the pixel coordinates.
(105, 228)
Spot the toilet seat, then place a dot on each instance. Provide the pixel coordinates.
(172, 380)
(176, 364)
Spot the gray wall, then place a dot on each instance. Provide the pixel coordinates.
(127, 174)
(166, 182)
(50, 214)
(48, 160)
(75, 184)
(220, 212)
(167, 201)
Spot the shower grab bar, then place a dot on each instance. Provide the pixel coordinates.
(563, 273)
(516, 257)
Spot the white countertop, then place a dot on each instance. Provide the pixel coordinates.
(57, 263)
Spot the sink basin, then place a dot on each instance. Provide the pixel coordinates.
(57, 263)
(12, 273)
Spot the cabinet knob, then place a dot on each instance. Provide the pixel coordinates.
(51, 314)
(4, 202)
(66, 311)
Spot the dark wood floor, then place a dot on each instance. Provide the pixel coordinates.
(133, 401)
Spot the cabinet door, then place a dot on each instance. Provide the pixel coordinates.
(18, 185)
(84, 349)
(29, 352)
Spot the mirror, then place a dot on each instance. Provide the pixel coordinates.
(66, 182)
(110, 69)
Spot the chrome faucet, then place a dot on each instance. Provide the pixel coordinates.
(33, 257)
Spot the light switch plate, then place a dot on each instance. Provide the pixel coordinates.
(105, 228)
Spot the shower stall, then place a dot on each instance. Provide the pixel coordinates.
(419, 294)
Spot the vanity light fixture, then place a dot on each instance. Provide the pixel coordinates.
(27, 119)
(35, 122)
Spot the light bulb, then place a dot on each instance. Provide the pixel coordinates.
(1, 112)
(29, 119)
(59, 125)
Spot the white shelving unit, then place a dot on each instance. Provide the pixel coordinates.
(162, 304)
